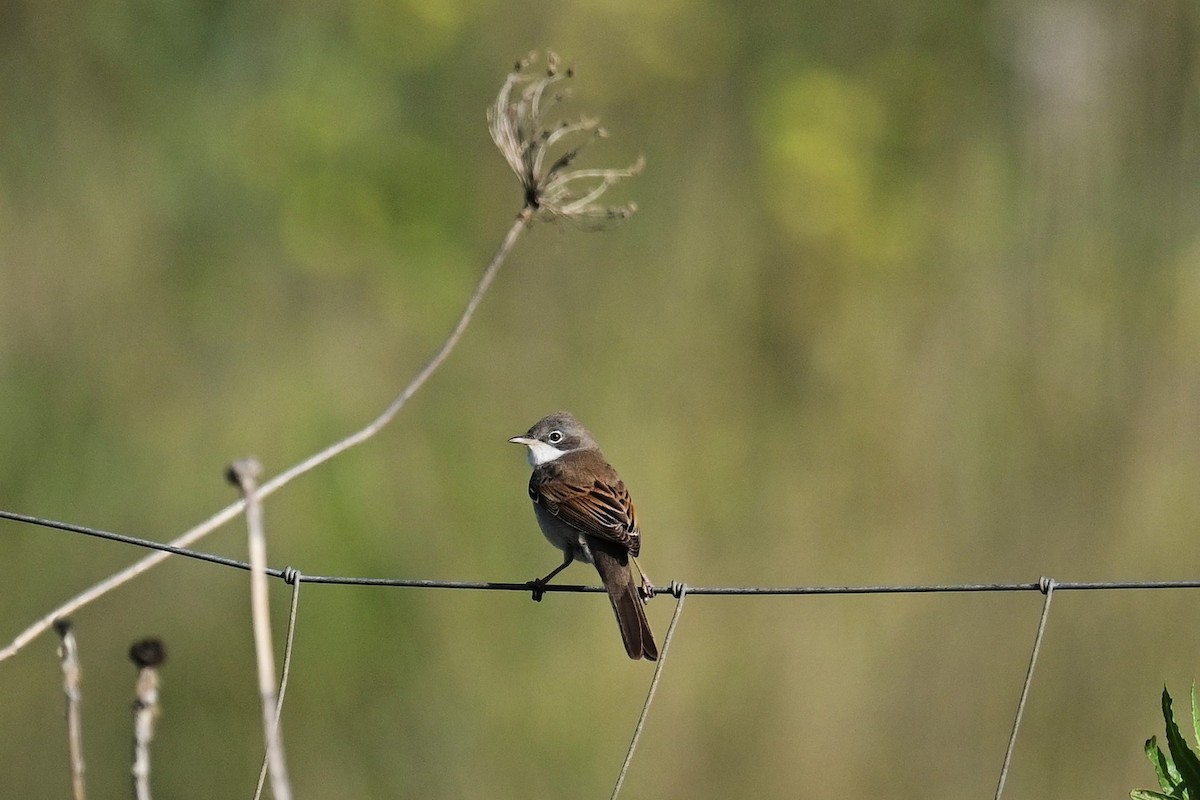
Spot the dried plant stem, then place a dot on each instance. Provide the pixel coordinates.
(69, 653)
(145, 714)
(282, 479)
(245, 474)
(113, 581)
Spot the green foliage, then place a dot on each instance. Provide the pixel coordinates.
(1179, 772)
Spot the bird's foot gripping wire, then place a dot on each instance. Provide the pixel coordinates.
(538, 587)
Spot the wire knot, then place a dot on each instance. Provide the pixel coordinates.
(290, 575)
(1046, 585)
(677, 589)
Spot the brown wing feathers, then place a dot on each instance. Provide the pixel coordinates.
(601, 510)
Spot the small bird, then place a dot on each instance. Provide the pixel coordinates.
(583, 509)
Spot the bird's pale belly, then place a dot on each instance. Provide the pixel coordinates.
(562, 535)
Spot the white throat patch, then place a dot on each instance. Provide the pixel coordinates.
(542, 453)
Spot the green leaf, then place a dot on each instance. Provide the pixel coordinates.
(1195, 715)
(1146, 794)
(1185, 760)
(1168, 776)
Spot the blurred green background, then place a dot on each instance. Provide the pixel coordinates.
(913, 295)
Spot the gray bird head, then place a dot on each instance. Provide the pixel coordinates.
(554, 436)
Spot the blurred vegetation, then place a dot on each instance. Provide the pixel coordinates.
(1178, 770)
(913, 295)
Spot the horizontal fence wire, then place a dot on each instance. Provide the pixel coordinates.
(289, 575)
(1047, 586)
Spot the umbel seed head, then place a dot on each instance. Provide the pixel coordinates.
(517, 123)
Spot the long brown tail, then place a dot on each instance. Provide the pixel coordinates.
(627, 604)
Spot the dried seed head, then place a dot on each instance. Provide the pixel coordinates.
(517, 124)
(148, 653)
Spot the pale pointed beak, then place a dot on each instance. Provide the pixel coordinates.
(525, 440)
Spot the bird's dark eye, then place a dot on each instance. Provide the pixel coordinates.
(555, 437)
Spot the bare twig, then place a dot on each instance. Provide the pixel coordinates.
(69, 653)
(113, 581)
(282, 479)
(147, 655)
(518, 127)
(244, 474)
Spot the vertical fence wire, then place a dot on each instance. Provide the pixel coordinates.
(293, 577)
(1047, 587)
(680, 592)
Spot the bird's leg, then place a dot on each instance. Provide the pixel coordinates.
(539, 584)
(646, 587)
